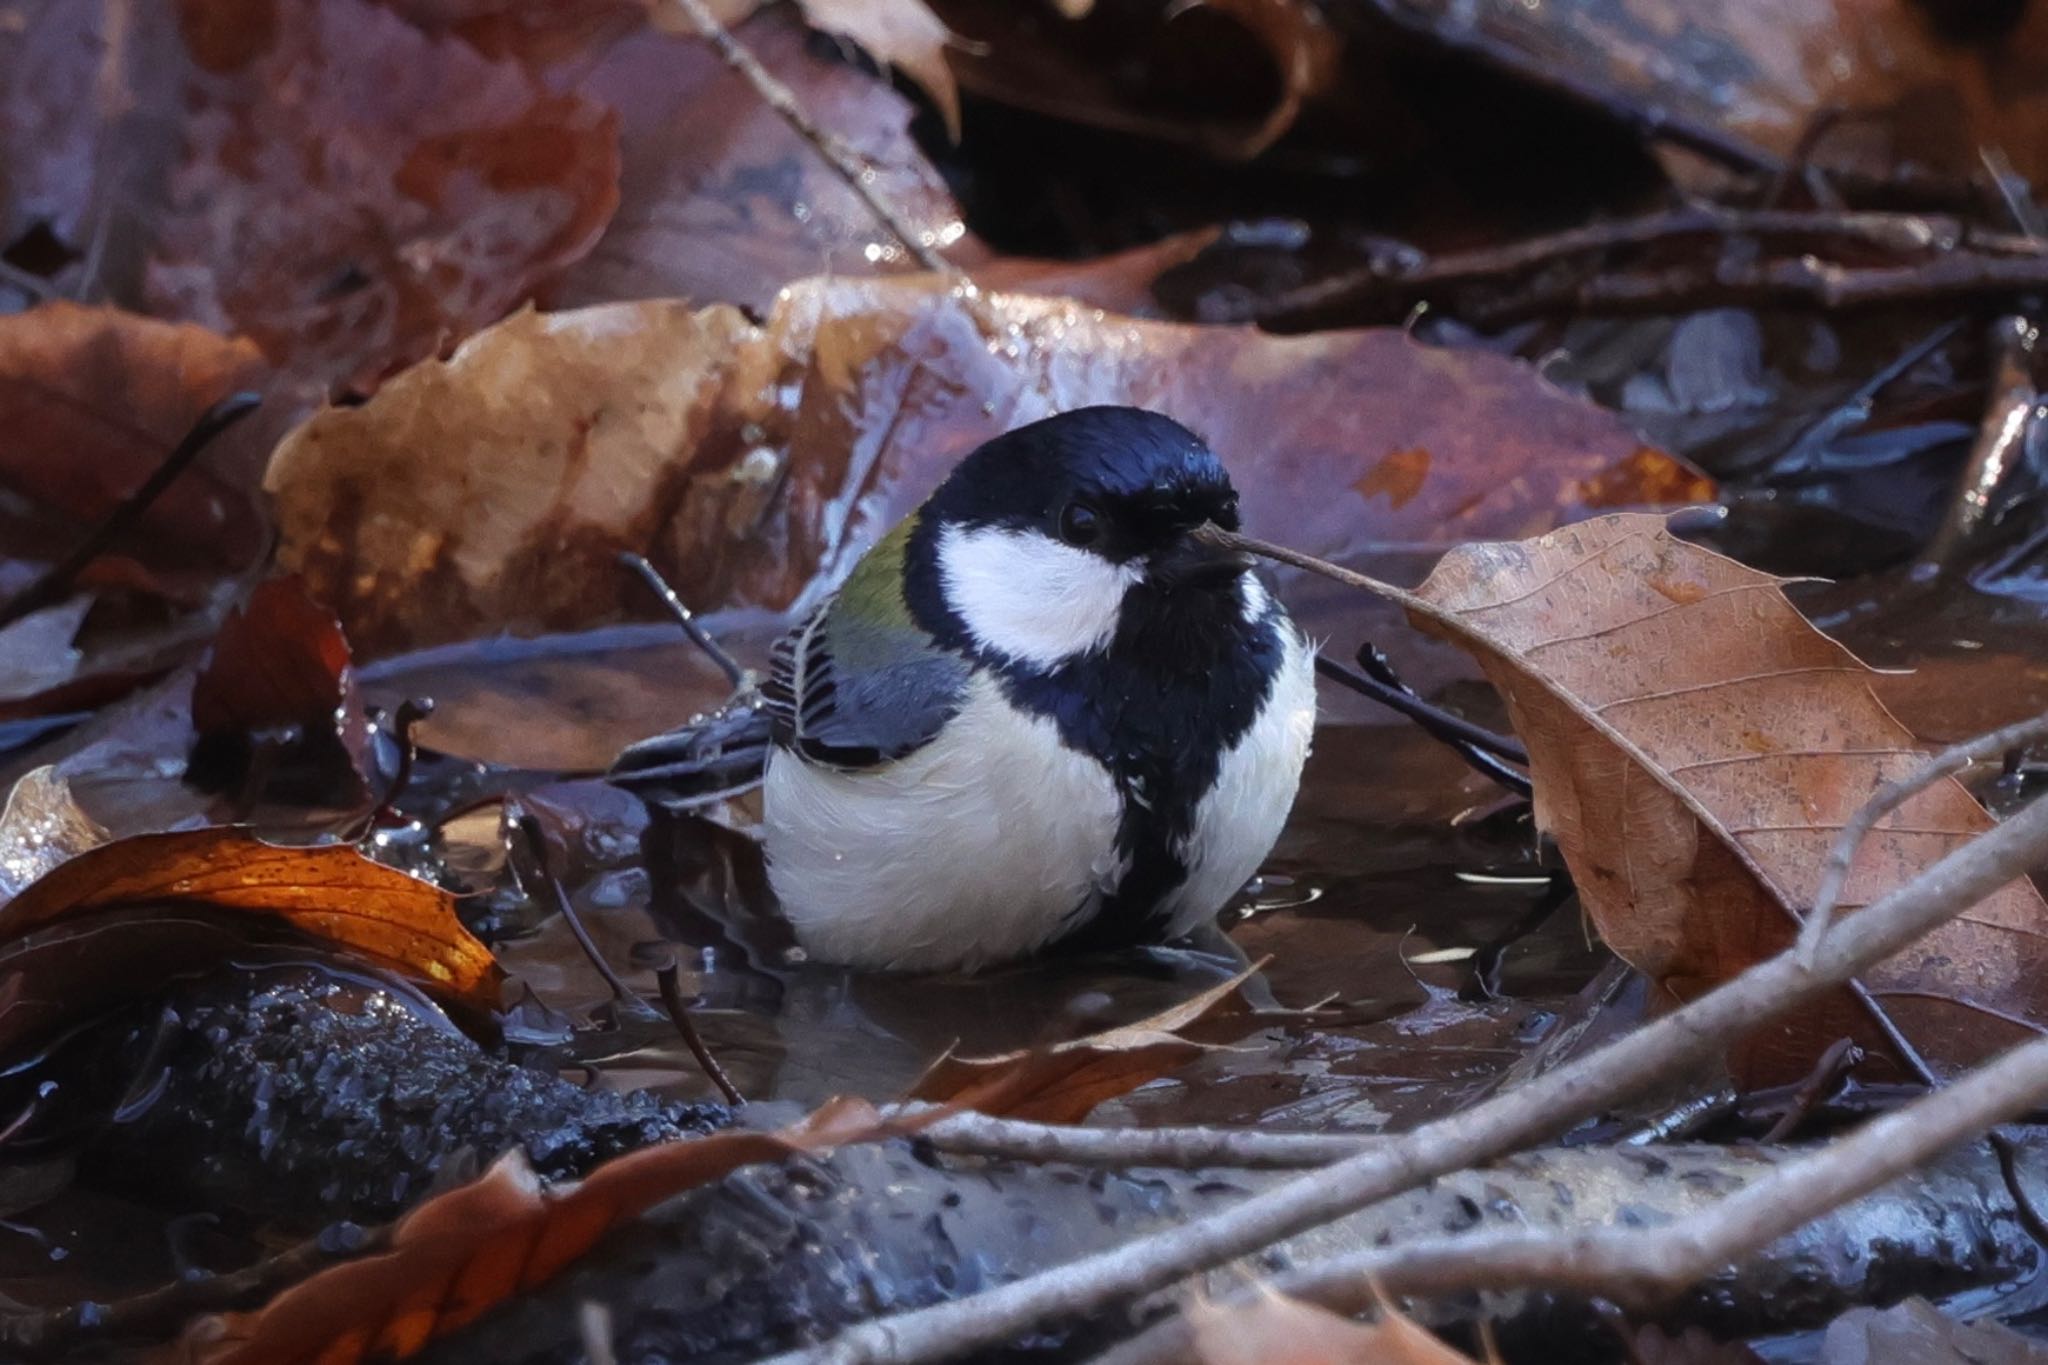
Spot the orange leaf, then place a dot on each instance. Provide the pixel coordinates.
(1277, 1330)
(462, 1253)
(1696, 746)
(81, 936)
(1063, 1083)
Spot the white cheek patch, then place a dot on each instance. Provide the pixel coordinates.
(1028, 596)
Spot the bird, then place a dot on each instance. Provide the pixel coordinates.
(1044, 711)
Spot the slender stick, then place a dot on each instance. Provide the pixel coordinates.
(851, 167)
(1452, 729)
(1643, 1266)
(679, 1011)
(55, 581)
(1540, 1107)
(536, 843)
(735, 676)
(1186, 1148)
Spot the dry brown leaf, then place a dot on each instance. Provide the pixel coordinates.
(1277, 1330)
(122, 916)
(899, 33)
(458, 1255)
(493, 491)
(1063, 1083)
(92, 399)
(1696, 747)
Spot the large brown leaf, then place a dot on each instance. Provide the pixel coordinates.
(494, 491)
(1696, 747)
(120, 917)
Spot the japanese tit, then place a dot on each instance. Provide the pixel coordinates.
(1038, 712)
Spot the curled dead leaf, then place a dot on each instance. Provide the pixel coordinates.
(41, 827)
(462, 1253)
(122, 916)
(1696, 746)
(1063, 1083)
(494, 490)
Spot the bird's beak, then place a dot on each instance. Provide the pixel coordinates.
(1197, 561)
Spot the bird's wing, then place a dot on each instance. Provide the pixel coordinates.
(860, 683)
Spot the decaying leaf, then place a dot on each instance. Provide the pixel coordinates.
(494, 490)
(1063, 1083)
(1917, 1333)
(1696, 747)
(1277, 1330)
(92, 399)
(41, 827)
(431, 188)
(279, 674)
(83, 935)
(462, 1253)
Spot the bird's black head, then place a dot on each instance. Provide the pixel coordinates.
(1035, 544)
(1120, 483)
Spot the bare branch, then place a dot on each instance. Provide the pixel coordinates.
(1246, 1149)
(1641, 1266)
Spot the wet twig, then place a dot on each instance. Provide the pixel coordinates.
(1398, 696)
(1482, 980)
(679, 1012)
(54, 583)
(411, 712)
(735, 676)
(1541, 1106)
(1938, 257)
(537, 846)
(1842, 1057)
(1643, 1266)
(1999, 450)
(850, 166)
(1186, 1147)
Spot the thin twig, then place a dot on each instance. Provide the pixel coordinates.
(679, 1011)
(55, 581)
(1828, 1072)
(1452, 729)
(851, 167)
(1399, 277)
(157, 1311)
(1544, 1105)
(1888, 798)
(1644, 1266)
(537, 845)
(1186, 1148)
(1998, 452)
(735, 676)
(410, 712)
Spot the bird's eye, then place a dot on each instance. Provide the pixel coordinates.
(1080, 524)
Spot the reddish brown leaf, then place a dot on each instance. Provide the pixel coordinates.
(748, 460)
(279, 675)
(92, 399)
(462, 1253)
(1696, 746)
(1277, 1330)
(431, 188)
(86, 934)
(1064, 1083)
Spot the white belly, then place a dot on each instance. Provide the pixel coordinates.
(1239, 819)
(977, 848)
